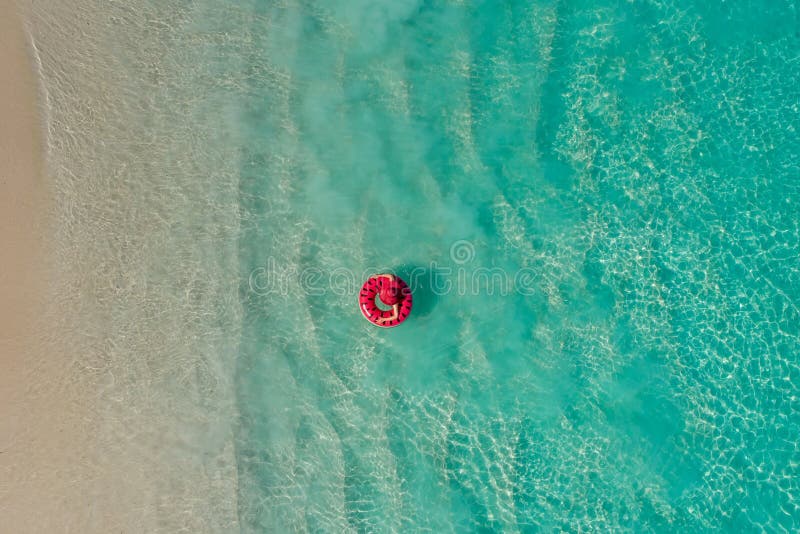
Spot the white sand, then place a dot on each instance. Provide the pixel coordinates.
(43, 464)
(116, 405)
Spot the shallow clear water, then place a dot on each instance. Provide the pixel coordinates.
(628, 172)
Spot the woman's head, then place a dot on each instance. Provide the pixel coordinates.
(389, 292)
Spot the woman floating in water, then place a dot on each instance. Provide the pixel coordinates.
(393, 292)
(389, 294)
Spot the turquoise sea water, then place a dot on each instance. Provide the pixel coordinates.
(630, 169)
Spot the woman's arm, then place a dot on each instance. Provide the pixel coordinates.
(395, 314)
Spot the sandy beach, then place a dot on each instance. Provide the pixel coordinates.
(22, 223)
(40, 419)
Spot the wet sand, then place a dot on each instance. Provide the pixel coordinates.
(42, 423)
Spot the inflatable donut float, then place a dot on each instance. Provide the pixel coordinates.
(392, 291)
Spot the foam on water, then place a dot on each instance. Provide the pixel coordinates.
(143, 158)
(637, 160)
